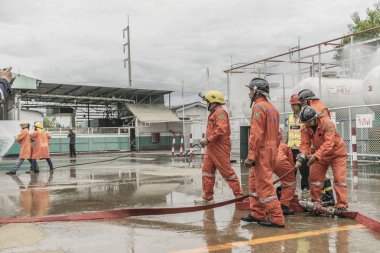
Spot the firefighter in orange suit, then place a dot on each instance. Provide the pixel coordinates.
(218, 149)
(263, 144)
(285, 163)
(25, 147)
(307, 97)
(330, 150)
(41, 147)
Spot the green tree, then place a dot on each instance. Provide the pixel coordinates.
(372, 20)
(50, 122)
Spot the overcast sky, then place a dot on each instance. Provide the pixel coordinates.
(80, 41)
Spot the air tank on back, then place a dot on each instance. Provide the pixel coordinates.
(371, 88)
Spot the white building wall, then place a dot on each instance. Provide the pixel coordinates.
(193, 113)
(31, 116)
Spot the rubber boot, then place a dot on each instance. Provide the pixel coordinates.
(328, 196)
(270, 224)
(250, 218)
(278, 192)
(286, 210)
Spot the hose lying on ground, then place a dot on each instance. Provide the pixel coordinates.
(101, 161)
(330, 211)
(121, 213)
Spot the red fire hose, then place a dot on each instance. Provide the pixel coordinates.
(287, 173)
(362, 219)
(358, 217)
(121, 213)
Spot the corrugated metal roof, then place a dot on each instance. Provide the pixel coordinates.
(149, 113)
(65, 93)
(190, 105)
(24, 82)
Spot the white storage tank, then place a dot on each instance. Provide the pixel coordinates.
(371, 88)
(336, 92)
(277, 97)
(239, 95)
(240, 100)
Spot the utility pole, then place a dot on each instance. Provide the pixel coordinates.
(299, 60)
(208, 78)
(183, 113)
(128, 44)
(229, 90)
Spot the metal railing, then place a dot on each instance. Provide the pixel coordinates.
(92, 131)
(367, 137)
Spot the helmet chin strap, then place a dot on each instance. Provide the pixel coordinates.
(253, 99)
(211, 106)
(208, 108)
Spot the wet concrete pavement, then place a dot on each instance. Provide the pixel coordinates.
(151, 180)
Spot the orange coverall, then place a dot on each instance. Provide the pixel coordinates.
(25, 144)
(41, 145)
(218, 154)
(330, 151)
(320, 108)
(285, 163)
(263, 144)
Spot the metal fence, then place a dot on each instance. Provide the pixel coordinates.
(365, 118)
(92, 131)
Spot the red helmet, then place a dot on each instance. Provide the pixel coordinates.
(294, 100)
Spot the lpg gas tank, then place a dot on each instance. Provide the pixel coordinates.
(336, 92)
(371, 88)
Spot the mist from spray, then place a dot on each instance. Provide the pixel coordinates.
(8, 130)
(362, 58)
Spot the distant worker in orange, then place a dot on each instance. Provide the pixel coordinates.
(294, 141)
(41, 147)
(25, 147)
(284, 164)
(307, 97)
(264, 140)
(330, 150)
(218, 150)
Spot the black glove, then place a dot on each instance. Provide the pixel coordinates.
(249, 162)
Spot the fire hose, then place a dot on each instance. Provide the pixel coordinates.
(101, 161)
(296, 167)
(121, 213)
(319, 209)
(128, 212)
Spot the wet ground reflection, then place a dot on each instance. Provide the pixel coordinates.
(158, 181)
